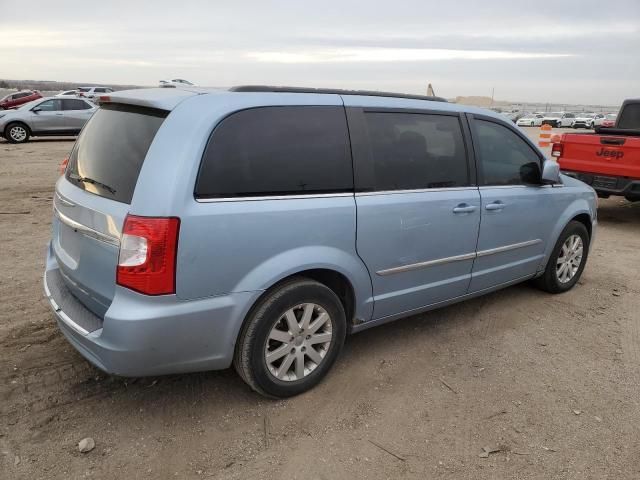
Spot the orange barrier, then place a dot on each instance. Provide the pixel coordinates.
(545, 136)
(555, 138)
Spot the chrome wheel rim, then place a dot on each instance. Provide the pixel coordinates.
(569, 259)
(298, 342)
(18, 133)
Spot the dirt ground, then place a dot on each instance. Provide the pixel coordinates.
(552, 383)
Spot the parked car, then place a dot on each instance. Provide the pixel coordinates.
(92, 92)
(583, 120)
(254, 256)
(558, 119)
(609, 161)
(68, 93)
(608, 120)
(14, 100)
(530, 120)
(176, 82)
(45, 116)
(515, 116)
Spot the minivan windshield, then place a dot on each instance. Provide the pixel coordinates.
(109, 153)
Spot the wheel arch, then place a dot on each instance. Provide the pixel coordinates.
(580, 211)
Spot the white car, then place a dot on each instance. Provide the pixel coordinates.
(530, 120)
(93, 92)
(558, 119)
(68, 93)
(583, 120)
(176, 82)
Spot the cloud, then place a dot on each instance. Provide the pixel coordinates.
(391, 55)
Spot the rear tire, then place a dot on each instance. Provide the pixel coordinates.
(17, 132)
(278, 353)
(567, 260)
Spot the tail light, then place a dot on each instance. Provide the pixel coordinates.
(63, 166)
(556, 150)
(148, 251)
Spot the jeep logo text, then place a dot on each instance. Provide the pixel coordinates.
(610, 153)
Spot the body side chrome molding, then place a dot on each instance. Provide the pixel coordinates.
(274, 197)
(417, 190)
(429, 263)
(457, 258)
(506, 248)
(84, 230)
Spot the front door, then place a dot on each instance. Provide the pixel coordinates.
(48, 117)
(517, 213)
(418, 210)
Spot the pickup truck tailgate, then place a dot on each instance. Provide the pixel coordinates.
(615, 156)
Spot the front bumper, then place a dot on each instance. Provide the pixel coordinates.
(142, 335)
(608, 185)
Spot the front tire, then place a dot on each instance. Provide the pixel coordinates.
(567, 260)
(17, 133)
(291, 338)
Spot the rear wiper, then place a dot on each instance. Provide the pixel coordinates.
(79, 178)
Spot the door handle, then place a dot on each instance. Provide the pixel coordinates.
(497, 205)
(464, 208)
(59, 114)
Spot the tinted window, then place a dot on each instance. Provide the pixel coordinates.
(277, 151)
(505, 158)
(50, 106)
(111, 149)
(75, 104)
(100, 90)
(413, 151)
(630, 116)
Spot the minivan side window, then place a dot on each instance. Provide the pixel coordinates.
(277, 151)
(505, 158)
(411, 151)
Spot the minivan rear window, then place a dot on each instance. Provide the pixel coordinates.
(108, 155)
(270, 151)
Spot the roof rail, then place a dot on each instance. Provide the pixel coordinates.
(335, 91)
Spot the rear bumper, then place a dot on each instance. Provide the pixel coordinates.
(143, 335)
(608, 185)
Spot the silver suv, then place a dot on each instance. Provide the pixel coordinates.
(45, 117)
(259, 226)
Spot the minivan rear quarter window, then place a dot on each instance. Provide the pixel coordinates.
(277, 151)
(108, 155)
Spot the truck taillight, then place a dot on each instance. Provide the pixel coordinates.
(148, 251)
(556, 150)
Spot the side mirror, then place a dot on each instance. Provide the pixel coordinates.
(35, 109)
(550, 173)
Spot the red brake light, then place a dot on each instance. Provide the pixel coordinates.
(104, 98)
(63, 166)
(556, 150)
(148, 251)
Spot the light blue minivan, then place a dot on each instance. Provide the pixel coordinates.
(258, 226)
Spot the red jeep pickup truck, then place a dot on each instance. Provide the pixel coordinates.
(609, 159)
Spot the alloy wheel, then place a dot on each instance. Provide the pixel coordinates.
(298, 342)
(569, 259)
(18, 133)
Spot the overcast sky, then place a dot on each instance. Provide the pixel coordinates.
(559, 51)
